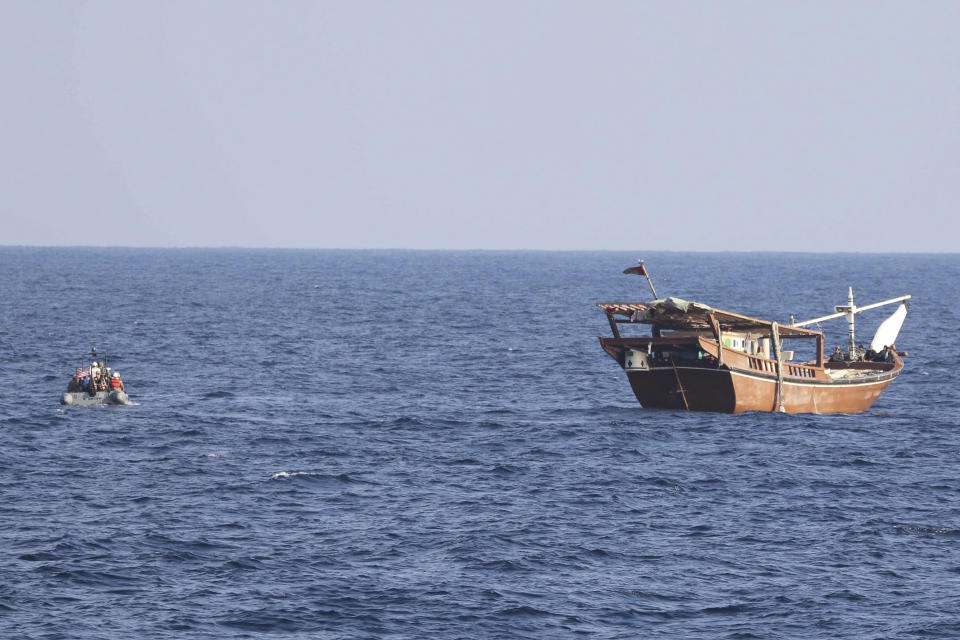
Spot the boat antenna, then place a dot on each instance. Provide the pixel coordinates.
(641, 270)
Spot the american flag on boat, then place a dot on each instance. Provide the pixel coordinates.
(82, 373)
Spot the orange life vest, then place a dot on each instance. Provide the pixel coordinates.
(115, 383)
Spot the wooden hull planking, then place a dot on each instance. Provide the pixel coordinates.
(746, 383)
(725, 391)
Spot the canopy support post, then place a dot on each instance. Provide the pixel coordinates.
(613, 325)
(718, 334)
(778, 355)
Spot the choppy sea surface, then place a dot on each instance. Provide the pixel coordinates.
(403, 444)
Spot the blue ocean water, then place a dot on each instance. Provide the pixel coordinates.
(402, 444)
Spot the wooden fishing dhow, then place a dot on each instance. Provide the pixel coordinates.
(699, 358)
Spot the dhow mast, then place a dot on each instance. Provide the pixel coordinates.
(849, 310)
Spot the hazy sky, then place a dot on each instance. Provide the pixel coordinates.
(808, 126)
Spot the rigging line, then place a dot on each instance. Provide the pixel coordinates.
(683, 394)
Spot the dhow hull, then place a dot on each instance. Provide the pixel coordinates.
(727, 391)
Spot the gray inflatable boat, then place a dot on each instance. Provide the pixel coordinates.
(94, 384)
(84, 399)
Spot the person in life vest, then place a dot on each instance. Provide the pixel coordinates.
(115, 382)
(100, 381)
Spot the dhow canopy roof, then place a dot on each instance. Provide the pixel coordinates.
(674, 313)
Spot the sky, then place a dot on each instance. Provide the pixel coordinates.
(685, 126)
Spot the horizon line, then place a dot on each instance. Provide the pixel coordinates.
(469, 250)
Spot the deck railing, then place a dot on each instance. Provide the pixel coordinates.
(794, 370)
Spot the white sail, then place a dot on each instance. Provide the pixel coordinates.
(889, 329)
